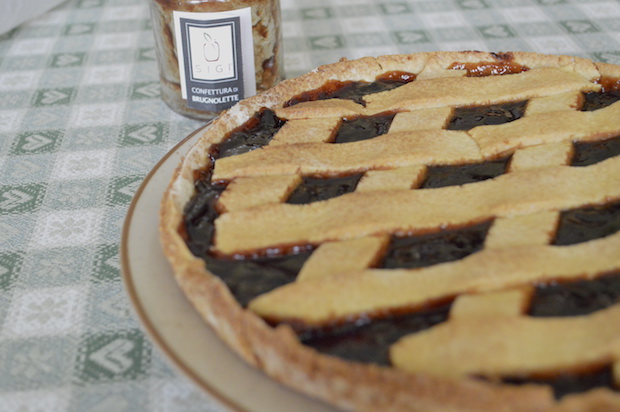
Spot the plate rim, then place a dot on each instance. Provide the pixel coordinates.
(131, 288)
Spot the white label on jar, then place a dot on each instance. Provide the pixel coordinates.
(216, 58)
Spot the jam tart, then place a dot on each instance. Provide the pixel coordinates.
(424, 232)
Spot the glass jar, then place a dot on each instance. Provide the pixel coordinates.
(213, 53)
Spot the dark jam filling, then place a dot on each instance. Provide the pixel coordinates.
(589, 153)
(363, 128)
(595, 101)
(200, 213)
(354, 91)
(247, 278)
(255, 133)
(587, 223)
(610, 93)
(368, 340)
(453, 175)
(580, 297)
(433, 248)
(316, 189)
(569, 383)
(466, 118)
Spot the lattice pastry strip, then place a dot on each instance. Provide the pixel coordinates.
(383, 152)
(402, 178)
(306, 131)
(511, 345)
(249, 192)
(535, 228)
(368, 213)
(449, 92)
(554, 103)
(434, 118)
(548, 128)
(542, 341)
(354, 255)
(321, 108)
(548, 154)
(396, 150)
(378, 291)
(511, 302)
(532, 229)
(478, 90)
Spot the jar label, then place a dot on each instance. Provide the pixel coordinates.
(216, 58)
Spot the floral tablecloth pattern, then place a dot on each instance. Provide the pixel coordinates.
(81, 124)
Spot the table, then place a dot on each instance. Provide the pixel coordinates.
(82, 124)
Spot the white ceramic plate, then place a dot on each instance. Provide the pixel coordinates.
(172, 322)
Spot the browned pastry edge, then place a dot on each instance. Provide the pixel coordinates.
(276, 351)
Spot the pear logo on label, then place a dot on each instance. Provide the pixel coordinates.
(211, 49)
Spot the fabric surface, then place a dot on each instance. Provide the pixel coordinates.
(81, 124)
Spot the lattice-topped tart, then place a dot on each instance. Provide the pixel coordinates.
(426, 232)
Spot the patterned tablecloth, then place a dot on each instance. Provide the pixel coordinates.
(81, 124)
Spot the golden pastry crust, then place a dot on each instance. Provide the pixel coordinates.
(539, 155)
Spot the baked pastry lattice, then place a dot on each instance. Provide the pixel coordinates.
(435, 207)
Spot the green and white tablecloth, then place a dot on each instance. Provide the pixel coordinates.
(81, 124)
